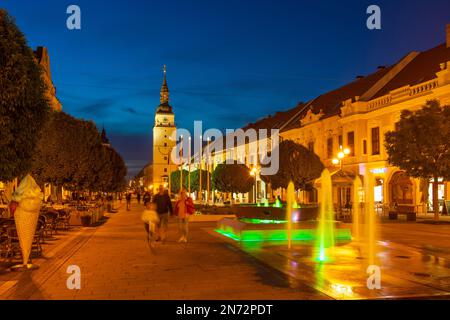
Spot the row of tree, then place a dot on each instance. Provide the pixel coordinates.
(296, 163)
(54, 146)
(70, 153)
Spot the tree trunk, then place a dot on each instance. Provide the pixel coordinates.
(59, 194)
(435, 199)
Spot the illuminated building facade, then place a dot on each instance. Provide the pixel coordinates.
(356, 117)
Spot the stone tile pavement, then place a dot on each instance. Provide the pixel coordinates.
(116, 263)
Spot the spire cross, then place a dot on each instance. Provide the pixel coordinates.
(164, 69)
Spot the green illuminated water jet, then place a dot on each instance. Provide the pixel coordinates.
(277, 204)
(289, 205)
(325, 239)
(357, 190)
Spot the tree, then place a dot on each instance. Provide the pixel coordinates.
(420, 145)
(54, 160)
(70, 154)
(175, 180)
(23, 103)
(111, 176)
(232, 178)
(297, 164)
(195, 180)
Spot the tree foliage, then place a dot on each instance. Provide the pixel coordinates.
(175, 180)
(23, 104)
(195, 180)
(70, 154)
(420, 145)
(297, 164)
(232, 178)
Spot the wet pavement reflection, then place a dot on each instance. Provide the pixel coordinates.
(406, 272)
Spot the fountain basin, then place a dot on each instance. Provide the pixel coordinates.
(303, 213)
(271, 230)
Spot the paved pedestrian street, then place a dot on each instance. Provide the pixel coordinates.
(116, 263)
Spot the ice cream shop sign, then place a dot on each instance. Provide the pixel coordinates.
(378, 170)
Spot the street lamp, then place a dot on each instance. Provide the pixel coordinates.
(207, 171)
(341, 155)
(200, 159)
(189, 167)
(253, 173)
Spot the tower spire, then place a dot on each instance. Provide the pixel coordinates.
(164, 94)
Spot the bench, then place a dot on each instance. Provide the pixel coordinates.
(408, 210)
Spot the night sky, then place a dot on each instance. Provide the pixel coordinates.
(229, 62)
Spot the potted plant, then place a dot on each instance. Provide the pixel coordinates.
(86, 218)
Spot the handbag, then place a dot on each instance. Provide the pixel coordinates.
(190, 208)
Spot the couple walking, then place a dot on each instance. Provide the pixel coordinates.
(157, 213)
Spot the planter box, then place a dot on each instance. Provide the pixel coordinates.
(274, 213)
(209, 217)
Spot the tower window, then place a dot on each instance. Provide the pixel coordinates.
(330, 148)
(351, 142)
(165, 169)
(375, 140)
(165, 144)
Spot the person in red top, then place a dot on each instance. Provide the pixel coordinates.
(184, 207)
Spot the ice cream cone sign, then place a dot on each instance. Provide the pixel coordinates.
(29, 197)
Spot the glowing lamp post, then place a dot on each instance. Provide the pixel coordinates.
(189, 167)
(207, 173)
(253, 173)
(341, 155)
(200, 159)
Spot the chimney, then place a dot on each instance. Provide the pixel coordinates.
(448, 35)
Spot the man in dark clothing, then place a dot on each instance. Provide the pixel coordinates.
(163, 208)
(128, 197)
(139, 197)
(146, 198)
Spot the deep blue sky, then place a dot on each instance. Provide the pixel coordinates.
(229, 62)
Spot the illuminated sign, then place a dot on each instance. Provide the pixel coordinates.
(378, 170)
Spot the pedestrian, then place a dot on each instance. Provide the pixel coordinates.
(138, 196)
(184, 207)
(163, 208)
(146, 198)
(151, 220)
(128, 198)
(120, 197)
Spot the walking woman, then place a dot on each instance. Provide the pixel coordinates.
(184, 207)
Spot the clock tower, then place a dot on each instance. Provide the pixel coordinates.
(162, 143)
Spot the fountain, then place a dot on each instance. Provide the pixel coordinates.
(325, 238)
(357, 186)
(289, 207)
(370, 220)
(290, 222)
(277, 203)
